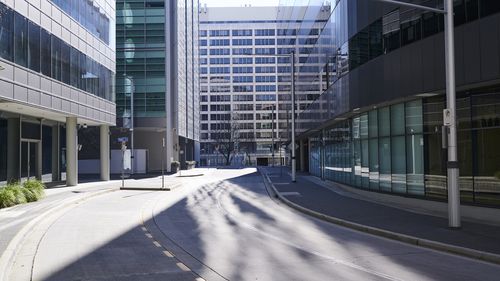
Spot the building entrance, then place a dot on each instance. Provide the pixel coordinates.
(29, 156)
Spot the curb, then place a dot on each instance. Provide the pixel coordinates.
(13, 247)
(462, 251)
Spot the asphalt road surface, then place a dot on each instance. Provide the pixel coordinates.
(224, 226)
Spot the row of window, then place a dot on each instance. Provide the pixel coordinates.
(261, 32)
(87, 15)
(28, 45)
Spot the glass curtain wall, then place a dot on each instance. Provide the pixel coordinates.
(398, 149)
(140, 39)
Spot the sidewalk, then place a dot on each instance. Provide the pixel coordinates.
(332, 203)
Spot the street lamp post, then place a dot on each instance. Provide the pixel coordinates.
(449, 116)
(272, 132)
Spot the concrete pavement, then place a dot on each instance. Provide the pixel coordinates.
(332, 203)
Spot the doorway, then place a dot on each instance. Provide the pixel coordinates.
(29, 156)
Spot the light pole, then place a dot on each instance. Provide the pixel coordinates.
(130, 83)
(272, 132)
(449, 116)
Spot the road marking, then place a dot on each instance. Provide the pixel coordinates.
(199, 279)
(168, 254)
(149, 235)
(157, 244)
(144, 229)
(291, 193)
(182, 266)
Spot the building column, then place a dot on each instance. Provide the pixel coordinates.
(56, 157)
(13, 149)
(302, 156)
(71, 152)
(104, 151)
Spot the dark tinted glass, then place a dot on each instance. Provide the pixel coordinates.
(489, 7)
(56, 58)
(45, 59)
(33, 46)
(6, 32)
(20, 40)
(65, 62)
(75, 68)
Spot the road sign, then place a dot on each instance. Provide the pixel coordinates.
(122, 139)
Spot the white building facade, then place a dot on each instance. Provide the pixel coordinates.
(57, 61)
(245, 57)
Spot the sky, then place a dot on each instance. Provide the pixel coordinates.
(238, 3)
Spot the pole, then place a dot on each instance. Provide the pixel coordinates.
(162, 163)
(132, 142)
(272, 146)
(453, 171)
(292, 55)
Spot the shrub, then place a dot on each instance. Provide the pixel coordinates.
(29, 194)
(7, 198)
(18, 193)
(36, 187)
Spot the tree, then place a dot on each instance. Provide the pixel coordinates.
(225, 136)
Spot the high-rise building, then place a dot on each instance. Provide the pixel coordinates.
(379, 124)
(157, 79)
(246, 81)
(57, 61)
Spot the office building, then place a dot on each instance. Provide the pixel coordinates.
(379, 124)
(57, 61)
(157, 77)
(245, 57)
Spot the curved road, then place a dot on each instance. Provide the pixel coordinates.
(224, 226)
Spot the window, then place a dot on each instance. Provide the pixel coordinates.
(33, 47)
(219, 42)
(75, 68)
(242, 79)
(243, 88)
(265, 69)
(6, 32)
(264, 32)
(264, 51)
(265, 60)
(56, 58)
(219, 52)
(220, 33)
(45, 54)
(65, 63)
(219, 61)
(265, 88)
(265, 78)
(242, 42)
(242, 51)
(242, 32)
(265, 97)
(489, 7)
(242, 60)
(242, 69)
(20, 40)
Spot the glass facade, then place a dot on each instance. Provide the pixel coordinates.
(31, 46)
(398, 149)
(89, 15)
(140, 62)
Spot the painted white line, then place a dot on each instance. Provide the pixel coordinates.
(149, 236)
(291, 193)
(157, 244)
(182, 266)
(144, 229)
(168, 254)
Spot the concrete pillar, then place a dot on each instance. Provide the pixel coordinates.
(71, 151)
(56, 157)
(302, 157)
(13, 149)
(104, 152)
